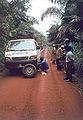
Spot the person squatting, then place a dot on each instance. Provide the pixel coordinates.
(43, 65)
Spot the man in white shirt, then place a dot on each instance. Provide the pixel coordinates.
(69, 64)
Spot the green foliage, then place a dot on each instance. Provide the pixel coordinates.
(53, 33)
(13, 18)
(52, 11)
(80, 8)
(78, 58)
(18, 9)
(73, 8)
(40, 39)
(62, 2)
(4, 6)
(4, 29)
(2, 66)
(72, 28)
(73, 17)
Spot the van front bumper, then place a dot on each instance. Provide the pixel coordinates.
(19, 63)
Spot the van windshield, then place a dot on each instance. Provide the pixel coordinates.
(21, 45)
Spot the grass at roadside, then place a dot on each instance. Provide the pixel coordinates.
(78, 81)
(3, 73)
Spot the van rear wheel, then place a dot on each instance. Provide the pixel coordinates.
(29, 70)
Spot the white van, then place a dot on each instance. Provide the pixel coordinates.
(22, 53)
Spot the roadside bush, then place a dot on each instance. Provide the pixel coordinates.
(2, 66)
(78, 58)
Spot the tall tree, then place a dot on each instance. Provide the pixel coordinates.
(4, 26)
(18, 9)
(72, 28)
(13, 18)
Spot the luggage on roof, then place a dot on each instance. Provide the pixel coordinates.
(25, 34)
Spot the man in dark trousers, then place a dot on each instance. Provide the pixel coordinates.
(69, 63)
(53, 54)
(59, 55)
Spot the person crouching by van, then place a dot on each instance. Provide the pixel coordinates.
(43, 65)
(69, 64)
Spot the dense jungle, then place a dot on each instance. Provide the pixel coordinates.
(13, 18)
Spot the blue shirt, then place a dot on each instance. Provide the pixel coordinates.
(44, 64)
(71, 48)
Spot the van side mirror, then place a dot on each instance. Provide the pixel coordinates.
(37, 47)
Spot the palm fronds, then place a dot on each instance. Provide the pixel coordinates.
(52, 11)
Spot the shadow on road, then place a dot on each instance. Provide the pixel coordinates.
(15, 72)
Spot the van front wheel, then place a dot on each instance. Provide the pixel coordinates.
(29, 70)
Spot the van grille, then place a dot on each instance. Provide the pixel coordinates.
(20, 58)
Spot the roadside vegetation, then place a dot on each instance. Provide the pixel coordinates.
(71, 27)
(14, 18)
(71, 15)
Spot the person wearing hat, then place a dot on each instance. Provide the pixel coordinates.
(67, 44)
(59, 55)
(53, 54)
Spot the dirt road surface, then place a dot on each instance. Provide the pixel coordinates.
(45, 97)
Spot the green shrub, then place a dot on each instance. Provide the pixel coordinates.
(78, 58)
(2, 66)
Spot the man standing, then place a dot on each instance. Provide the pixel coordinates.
(59, 55)
(69, 63)
(53, 54)
(67, 44)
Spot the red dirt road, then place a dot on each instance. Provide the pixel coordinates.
(45, 97)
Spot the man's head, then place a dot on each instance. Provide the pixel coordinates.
(62, 46)
(53, 45)
(56, 46)
(67, 41)
(41, 59)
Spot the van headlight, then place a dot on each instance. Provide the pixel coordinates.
(33, 57)
(7, 59)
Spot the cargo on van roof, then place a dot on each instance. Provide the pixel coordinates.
(25, 34)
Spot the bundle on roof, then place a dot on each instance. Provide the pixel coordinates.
(25, 34)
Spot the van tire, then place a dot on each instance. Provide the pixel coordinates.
(29, 70)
